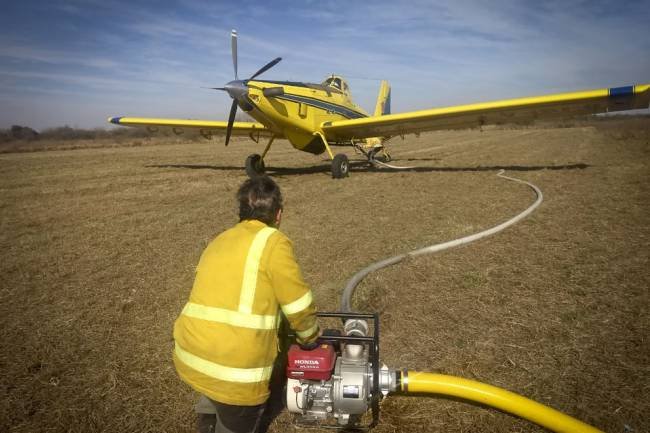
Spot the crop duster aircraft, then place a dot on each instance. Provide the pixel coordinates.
(316, 117)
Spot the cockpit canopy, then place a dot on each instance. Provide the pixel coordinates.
(337, 83)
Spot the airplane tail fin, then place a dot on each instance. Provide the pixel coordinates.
(383, 99)
(382, 108)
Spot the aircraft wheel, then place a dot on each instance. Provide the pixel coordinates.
(254, 165)
(340, 166)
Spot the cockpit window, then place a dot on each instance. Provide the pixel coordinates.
(337, 83)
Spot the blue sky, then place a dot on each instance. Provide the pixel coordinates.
(77, 62)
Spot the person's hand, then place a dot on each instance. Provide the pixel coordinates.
(309, 346)
(314, 344)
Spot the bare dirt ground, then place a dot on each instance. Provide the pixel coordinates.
(99, 247)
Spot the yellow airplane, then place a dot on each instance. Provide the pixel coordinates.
(315, 117)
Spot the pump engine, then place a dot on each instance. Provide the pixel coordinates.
(340, 378)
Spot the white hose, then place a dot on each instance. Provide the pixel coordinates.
(359, 276)
(377, 163)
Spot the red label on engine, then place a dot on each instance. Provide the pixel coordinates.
(316, 364)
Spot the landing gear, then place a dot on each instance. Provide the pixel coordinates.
(340, 166)
(378, 154)
(254, 165)
(384, 155)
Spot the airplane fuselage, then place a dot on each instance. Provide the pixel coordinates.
(296, 110)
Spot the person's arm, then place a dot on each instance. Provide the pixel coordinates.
(292, 293)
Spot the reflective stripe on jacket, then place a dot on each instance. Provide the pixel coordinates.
(226, 335)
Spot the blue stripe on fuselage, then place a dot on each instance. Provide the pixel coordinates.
(338, 109)
(616, 92)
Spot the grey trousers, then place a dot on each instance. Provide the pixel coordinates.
(215, 417)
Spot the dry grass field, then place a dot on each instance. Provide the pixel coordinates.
(99, 247)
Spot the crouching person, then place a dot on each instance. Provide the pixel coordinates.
(226, 337)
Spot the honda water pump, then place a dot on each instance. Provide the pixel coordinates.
(339, 379)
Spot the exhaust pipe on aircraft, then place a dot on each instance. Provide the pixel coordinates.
(273, 91)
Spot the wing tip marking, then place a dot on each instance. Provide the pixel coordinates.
(622, 91)
(115, 120)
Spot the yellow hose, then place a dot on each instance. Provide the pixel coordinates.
(430, 383)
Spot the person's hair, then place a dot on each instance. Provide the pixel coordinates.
(259, 199)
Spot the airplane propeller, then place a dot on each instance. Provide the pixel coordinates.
(238, 88)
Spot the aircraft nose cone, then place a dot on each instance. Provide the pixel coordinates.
(236, 89)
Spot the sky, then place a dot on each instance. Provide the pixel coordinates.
(78, 62)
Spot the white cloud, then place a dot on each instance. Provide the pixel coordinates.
(54, 57)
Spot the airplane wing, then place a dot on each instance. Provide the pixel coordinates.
(207, 128)
(506, 111)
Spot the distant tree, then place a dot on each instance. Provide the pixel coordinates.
(68, 133)
(23, 133)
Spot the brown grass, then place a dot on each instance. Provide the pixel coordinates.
(99, 246)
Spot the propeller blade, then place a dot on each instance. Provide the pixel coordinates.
(231, 120)
(266, 67)
(233, 48)
(214, 88)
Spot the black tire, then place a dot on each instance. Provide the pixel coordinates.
(340, 166)
(254, 165)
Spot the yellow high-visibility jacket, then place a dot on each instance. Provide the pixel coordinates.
(226, 336)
